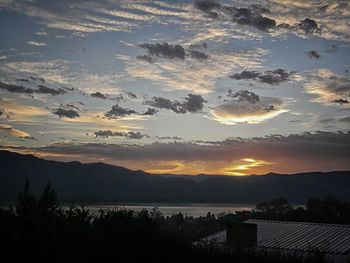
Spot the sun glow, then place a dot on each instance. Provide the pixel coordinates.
(244, 167)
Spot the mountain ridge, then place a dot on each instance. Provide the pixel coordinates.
(101, 182)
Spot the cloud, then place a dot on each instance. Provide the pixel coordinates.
(15, 132)
(313, 54)
(328, 87)
(36, 44)
(68, 111)
(206, 5)
(192, 103)
(128, 135)
(118, 111)
(244, 95)
(146, 58)
(131, 95)
(163, 103)
(198, 55)
(99, 95)
(341, 101)
(21, 89)
(165, 50)
(309, 26)
(254, 16)
(272, 77)
(170, 51)
(317, 151)
(344, 119)
(150, 111)
(247, 107)
(46, 90)
(189, 75)
(176, 138)
(251, 16)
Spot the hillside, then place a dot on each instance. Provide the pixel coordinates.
(100, 182)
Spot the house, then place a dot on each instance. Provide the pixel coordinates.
(287, 237)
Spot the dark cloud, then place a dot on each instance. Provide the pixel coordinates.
(108, 133)
(146, 58)
(22, 80)
(165, 50)
(252, 16)
(171, 51)
(176, 138)
(334, 120)
(313, 54)
(268, 77)
(119, 97)
(46, 90)
(319, 150)
(246, 75)
(37, 79)
(99, 95)
(206, 5)
(203, 45)
(163, 103)
(118, 111)
(344, 119)
(192, 103)
(198, 55)
(67, 111)
(244, 95)
(128, 135)
(150, 111)
(341, 101)
(131, 95)
(21, 89)
(136, 135)
(309, 26)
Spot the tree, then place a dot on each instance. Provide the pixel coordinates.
(275, 207)
(47, 204)
(26, 201)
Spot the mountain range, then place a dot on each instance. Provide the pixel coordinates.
(100, 182)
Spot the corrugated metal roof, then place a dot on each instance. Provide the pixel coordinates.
(330, 238)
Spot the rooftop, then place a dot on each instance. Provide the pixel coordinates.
(330, 238)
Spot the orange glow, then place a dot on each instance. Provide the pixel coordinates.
(244, 167)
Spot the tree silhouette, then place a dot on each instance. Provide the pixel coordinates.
(47, 203)
(275, 207)
(26, 201)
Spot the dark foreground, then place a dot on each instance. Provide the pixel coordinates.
(38, 229)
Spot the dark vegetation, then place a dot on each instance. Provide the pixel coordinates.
(99, 182)
(39, 229)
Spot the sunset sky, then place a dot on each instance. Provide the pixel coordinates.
(185, 87)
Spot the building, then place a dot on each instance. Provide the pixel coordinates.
(287, 237)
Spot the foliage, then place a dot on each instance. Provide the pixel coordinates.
(40, 230)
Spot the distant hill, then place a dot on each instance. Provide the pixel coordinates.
(100, 182)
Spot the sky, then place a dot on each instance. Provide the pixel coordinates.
(182, 87)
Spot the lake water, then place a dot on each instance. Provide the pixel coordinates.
(194, 210)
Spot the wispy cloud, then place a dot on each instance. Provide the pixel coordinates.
(36, 44)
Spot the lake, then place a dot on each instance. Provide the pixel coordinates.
(194, 210)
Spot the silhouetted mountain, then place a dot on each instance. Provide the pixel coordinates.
(100, 182)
